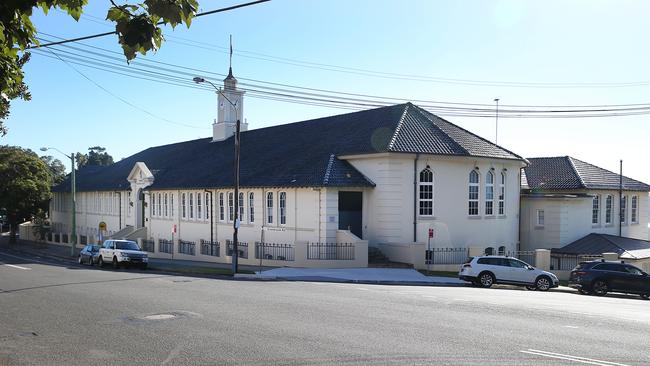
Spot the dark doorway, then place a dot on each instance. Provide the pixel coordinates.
(350, 212)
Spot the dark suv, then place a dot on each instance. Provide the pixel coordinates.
(600, 277)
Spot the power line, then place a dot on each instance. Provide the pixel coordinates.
(159, 23)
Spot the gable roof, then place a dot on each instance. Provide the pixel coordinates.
(597, 244)
(301, 154)
(565, 172)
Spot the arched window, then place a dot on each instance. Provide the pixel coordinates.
(634, 215)
(251, 207)
(283, 208)
(183, 206)
(208, 205)
(489, 194)
(159, 205)
(502, 250)
(199, 213)
(595, 210)
(191, 205)
(171, 205)
(502, 194)
(489, 251)
(221, 208)
(241, 206)
(426, 192)
(473, 193)
(153, 205)
(623, 209)
(608, 209)
(269, 208)
(231, 206)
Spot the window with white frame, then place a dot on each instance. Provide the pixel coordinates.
(183, 205)
(171, 205)
(159, 203)
(231, 206)
(502, 194)
(166, 205)
(540, 217)
(473, 189)
(128, 203)
(208, 205)
(241, 206)
(608, 209)
(251, 207)
(425, 187)
(221, 208)
(623, 209)
(269, 208)
(153, 205)
(634, 214)
(489, 194)
(283, 208)
(595, 210)
(199, 214)
(191, 210)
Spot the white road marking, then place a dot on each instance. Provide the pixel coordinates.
(571, 326)
(15, 266)
(23, 258)
(578, 359)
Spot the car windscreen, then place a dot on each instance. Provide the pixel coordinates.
(126, 245)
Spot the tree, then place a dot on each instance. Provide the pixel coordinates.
(57, 169)
(26, 185)
(137, 27)
(97, 155)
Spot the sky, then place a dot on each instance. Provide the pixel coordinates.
(590, 42)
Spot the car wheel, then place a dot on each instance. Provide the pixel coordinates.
(116, 265)
(486, 279)
(645, 296)
(543, 283)
(531, 287)
(80, 260)
(100, 262)
(583, 292)
(599, 288)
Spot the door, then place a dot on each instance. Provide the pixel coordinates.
(351, 212)
(518, 272)
(139, 209)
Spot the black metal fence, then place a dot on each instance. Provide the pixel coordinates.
(83, 239)
(210, 248)
(49, 236)
(446, 255)
(148, 245)
(273, 251)
(64, 238)
(57, 238)
(567, 262)
(527, 256)
(242, 249)
(330, 251)
(187, 247)
(165, 246)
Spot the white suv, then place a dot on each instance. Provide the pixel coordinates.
(487, 270)
(120, 252)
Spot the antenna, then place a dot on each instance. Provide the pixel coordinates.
(496, 132)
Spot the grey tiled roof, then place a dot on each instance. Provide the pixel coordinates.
(565, 172)
(301, 154)
(596, 244)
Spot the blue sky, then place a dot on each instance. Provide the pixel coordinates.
(511, 41)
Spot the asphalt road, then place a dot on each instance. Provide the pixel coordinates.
(59, 313)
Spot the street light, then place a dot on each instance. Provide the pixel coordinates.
(235, 249)
(74, 198)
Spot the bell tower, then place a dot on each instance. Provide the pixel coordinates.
(230, 107)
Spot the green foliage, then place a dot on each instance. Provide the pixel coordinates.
(41, 225)
(137, 27)
(57, 170)
(97, 155)
(26, 184)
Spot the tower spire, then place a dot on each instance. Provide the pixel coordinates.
(230, 65)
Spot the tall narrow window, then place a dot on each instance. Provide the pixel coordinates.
(283, 208)
(221, 208)
(231, 206)
(489, 194)
(634, 216)
(153, 205)
(191, 210)
(199, 214)
(183, 206)
(269, 208)
(171, 205)
(595, 210)
(426, 192)
(241, 206)
(159, 205)
(166, 210)
(623, 209)
(608, 209)
(473, 193)
(251, 207)
(208, 205)
(502, 194)
(540, 217)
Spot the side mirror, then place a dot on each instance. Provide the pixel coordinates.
(530, 268)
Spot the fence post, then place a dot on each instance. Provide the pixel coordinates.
(543, 259)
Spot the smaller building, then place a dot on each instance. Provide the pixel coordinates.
(634, 251)
(564, 199)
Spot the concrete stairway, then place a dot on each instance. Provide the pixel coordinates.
(377, 259)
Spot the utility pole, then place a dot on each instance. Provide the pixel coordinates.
(620, 200)
(496, 123)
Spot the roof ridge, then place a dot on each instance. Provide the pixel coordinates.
(328, 170)
(609, 171)
(421, 112)
(606, 237)
(398, 128)
(575, 170)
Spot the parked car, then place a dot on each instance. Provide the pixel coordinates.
(122, 252)
(485, 271)
(89, 254)
(601, 277)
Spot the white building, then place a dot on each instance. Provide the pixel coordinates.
(380, 177)
(565, 199)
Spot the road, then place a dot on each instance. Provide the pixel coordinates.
(60, 313)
